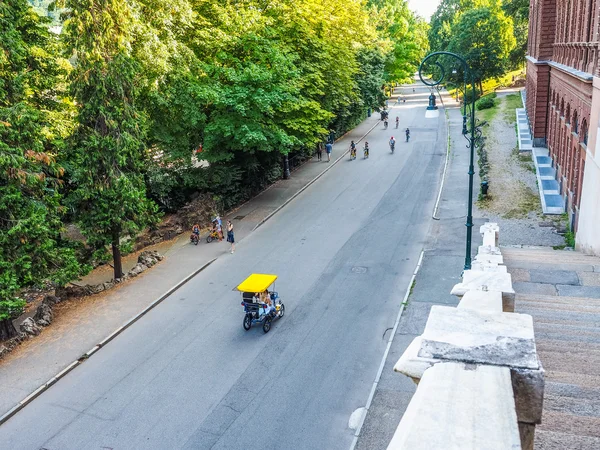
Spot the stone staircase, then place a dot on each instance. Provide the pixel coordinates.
(552, 201)
(561, 291)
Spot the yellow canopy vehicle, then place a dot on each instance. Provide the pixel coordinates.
(260, 304)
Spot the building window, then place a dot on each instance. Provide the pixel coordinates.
(584, 132)
(568, 115)
(575, 123)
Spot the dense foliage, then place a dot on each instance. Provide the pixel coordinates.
(112, 111)
(34, 120)
(490, 34)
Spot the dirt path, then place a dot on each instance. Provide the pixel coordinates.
(513, 199)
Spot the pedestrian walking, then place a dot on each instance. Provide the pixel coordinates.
(328, 148)
(331, 138)
(230, 237)
(319, 151)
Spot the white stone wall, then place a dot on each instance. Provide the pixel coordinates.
(588, 232)
(480, 381)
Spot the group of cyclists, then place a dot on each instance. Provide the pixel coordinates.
(392, 142)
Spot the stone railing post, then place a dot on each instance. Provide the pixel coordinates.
(481, 350)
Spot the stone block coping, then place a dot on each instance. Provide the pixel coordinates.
(482, 301)
(479, 337)
(460, 407)
(488, 267)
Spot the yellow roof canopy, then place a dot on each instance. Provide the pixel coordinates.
(257, 282)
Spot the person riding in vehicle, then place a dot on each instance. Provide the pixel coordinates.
(196, 229)
(366, 149)
(217, 227)
(392, 143)
(407, 132)
(397, 121)
(353, 149)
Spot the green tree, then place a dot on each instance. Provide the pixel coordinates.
(406, 34)
(518, 10)
(483, 36)
(33, 120)
(108, 158)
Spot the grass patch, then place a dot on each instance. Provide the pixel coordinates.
(505, 80)
(528, 202)
(569, 235)
(570, 239)
(484, 202)
(513, 101)
(509, 104)
(524, 160)
(488, 114)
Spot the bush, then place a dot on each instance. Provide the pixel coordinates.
(485, 103)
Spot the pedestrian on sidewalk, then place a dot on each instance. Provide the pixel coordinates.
(331, 138)
(230, 237)
(328, 148)
(319, 151)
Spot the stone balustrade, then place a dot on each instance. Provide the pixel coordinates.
(480, 381)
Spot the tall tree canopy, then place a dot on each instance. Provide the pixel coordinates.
(33, 124)
(103, 120)
(488, 33)
(483, 36)
(107, 157)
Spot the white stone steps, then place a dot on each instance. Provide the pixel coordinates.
(522, 299)
(553, 440)
(547, 256)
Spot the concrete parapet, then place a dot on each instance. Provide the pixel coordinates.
(488, 250)
(474, 364)
(480, 337)
(476, 280)
(486, 266)
(490, 301)
(460, 406)
(489, 258)
(491, 233)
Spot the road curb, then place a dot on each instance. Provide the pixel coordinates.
(437, 203)
(387, 351)
(44, 387)
(280, 207)
(36, 393)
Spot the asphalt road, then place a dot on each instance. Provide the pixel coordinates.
(188, 376)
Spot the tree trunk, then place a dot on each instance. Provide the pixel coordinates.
(116, 251)
(7, 330)
(481, 87)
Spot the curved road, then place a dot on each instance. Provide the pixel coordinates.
(188, 376)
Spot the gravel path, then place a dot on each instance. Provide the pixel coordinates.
(514, 201)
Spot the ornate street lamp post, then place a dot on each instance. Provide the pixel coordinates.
(468, 78)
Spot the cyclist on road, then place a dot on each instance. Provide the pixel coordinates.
(407, 132)
(397, 121)
(352, 150)
(366, 150)
(392, 144)
(385, 124)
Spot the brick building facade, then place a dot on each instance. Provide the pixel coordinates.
(563, 99)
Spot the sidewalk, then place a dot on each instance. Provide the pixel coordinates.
(441, 268)
(77, 328)
(560, 289)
